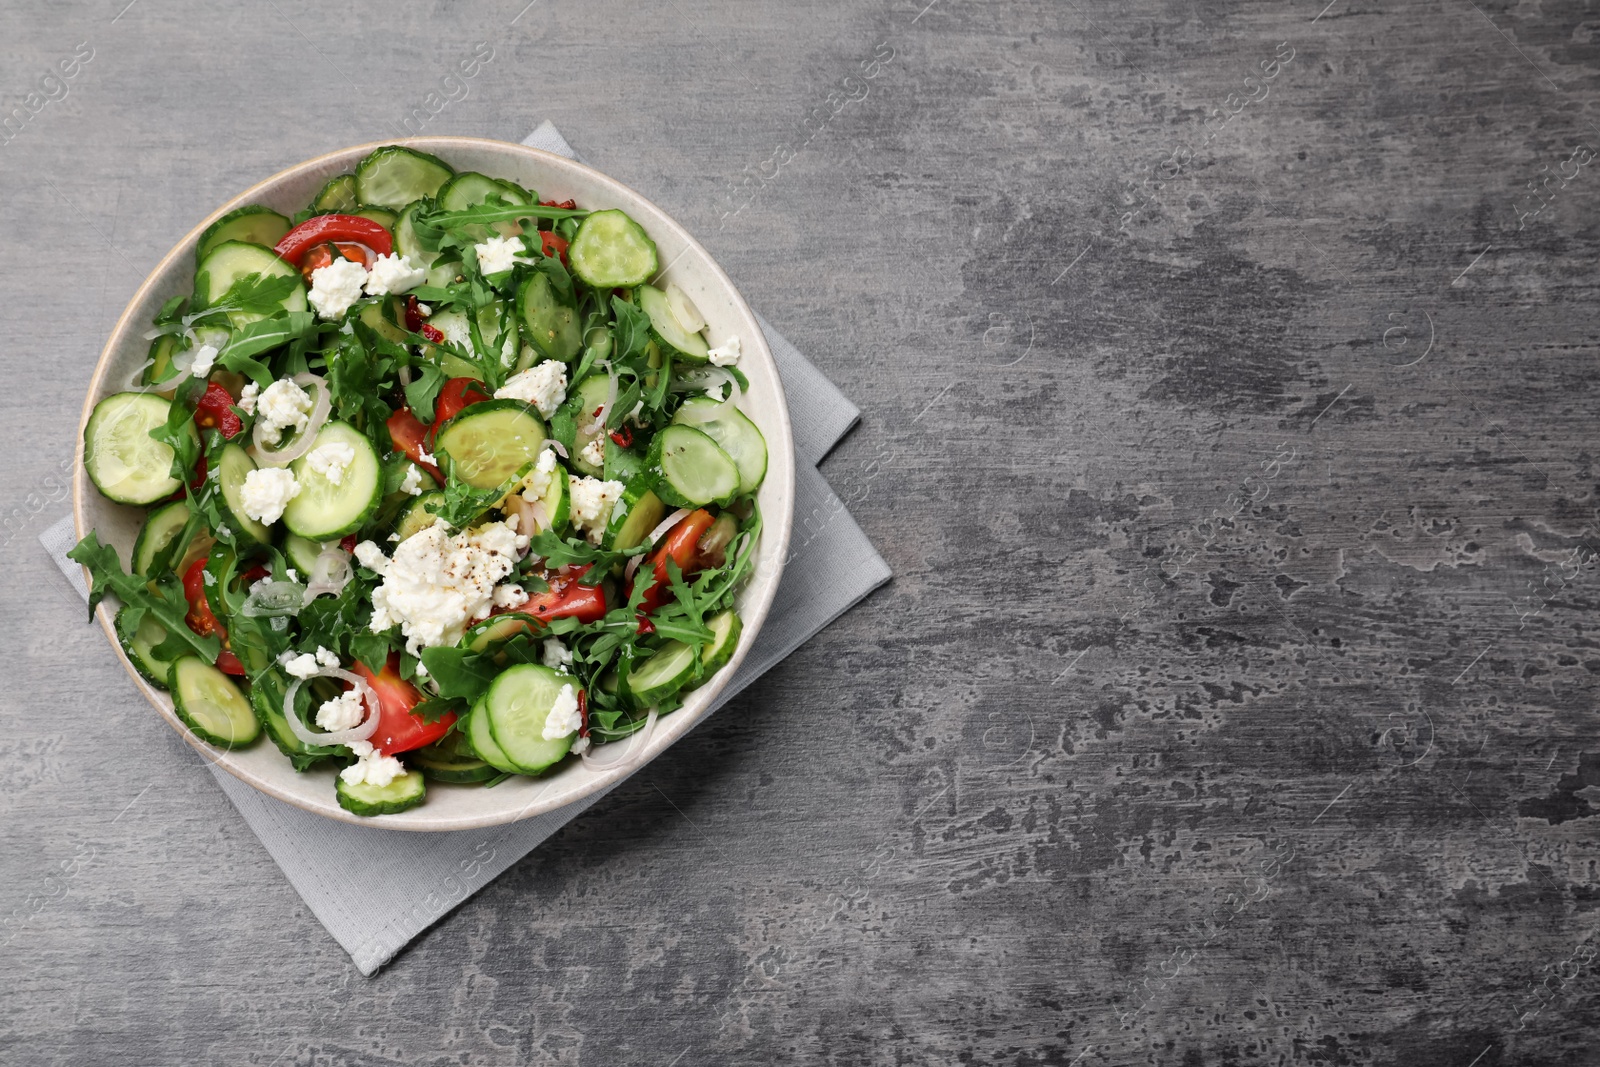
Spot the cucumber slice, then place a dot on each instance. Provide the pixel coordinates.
(469, 189)
(141, 650)
(667, 670)
(557, 501)
(322, 511)
(232, 260)
(160, 527)
(405, 238)
(447, 761)
(552, 326)
(302, 555)
(372, 315)
(405, 792)
(232, 469)
(694, 470)
(266, 700)
(733, 432)
(611, 251)
(635, 515)
(392, 177)
(381, 215)
(489, 442)
(417, 517)
(481, 740)
(338, 196)
(683, 310)
(252, 224)
(159, 367)
(666, 328)
(210, 705)
(582, 403)
(125, 463)
(725, 630)
(517, 705)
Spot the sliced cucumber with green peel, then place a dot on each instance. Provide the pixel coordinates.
(667, 670)
(498, 629)
(582, 403)
(733, 432)
(141, 651)
(232, 260)
(159, 366)
(551, 325)
(381, 215)
(323, 511)
(637, 512)
(690, 347)
(611, 251)
(373, 316)
(161, 526)
(557, 501)
(725, 630)
(518, 702)
(232, 469)
(210, 705)
(253, 224)
(302, 554)
(416, 516)
(338, 196)
(469, 189)
(480, 739)
(405, 238)
(405, 792)
(266, 700)
(449, 761)
(489, 442)
(393, 177)
(694, 470)
(125, 463)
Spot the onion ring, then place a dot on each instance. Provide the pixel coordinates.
(269, 456)
(360, 732)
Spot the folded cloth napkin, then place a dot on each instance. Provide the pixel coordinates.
(375, 890)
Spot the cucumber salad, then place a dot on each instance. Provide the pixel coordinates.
(438, 485)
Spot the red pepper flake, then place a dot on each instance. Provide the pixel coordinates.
(413, 314)
(432, 333)
(568, 205)
(583, 714)
(645, 625)
(348, 543)
(623, 437)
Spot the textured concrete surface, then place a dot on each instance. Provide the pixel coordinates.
(1228, 379)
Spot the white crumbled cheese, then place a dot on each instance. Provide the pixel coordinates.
(580, 746)
(563, 720)
(544, 386)
(371, 766)
(510, 595)
(281, 405)
(427, 457)
(266, 492)
(556, 655)
(393, 274)
(325, 658)
(727, 354)
(594, 453)
(300, 666)
(413, 481)
(591, 503)
(437, 583)
(424, 310)
(247, 399)
(203, 360)
(331, 460)
(393, 538)
(342, 712)
(336, 287)
(499, 253)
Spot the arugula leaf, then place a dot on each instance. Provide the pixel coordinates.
(463, 503)
(435, 708)
(431, 225)
(633, 329)
(263, 336)
(460, 674)
(162, 601)
(424, 390)
(258, 294)
(564, 552)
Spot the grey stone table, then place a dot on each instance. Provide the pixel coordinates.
(1228, 386)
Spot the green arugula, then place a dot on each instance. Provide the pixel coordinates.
(159, 600)
(262, 336)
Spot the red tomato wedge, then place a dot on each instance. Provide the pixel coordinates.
(681, 545)
(200, 618)
(337, 229)
(566, 598)
(554, 244)
(411, 437)
(214, 412)
(398, 729)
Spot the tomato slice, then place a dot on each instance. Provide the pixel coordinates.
(554, 244)
(681, 545)
(566, 598)
(214, 411)
(338, 229)
(200, 618)
(457, 393)
(411, 437)
(398, 729)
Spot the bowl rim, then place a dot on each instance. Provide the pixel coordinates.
(776, 528)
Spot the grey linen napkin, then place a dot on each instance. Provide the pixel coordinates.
(375, 890)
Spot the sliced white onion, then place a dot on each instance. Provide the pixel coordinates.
(329, 574)
(557, 447)
(650, 539)
(405, 377)
(611, 395)
(360, 732)
(272, 599)
(587, 755)
(269, 456)
(683, 310)
(531, 515)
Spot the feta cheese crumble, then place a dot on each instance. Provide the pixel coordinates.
(594, 453)
(563, 720)
(413, 481)
(727, 354)
(266, 492)
(336, 287)
(342, 712)
(281, 405)
(324, 657)
(544, 386)
(371, 766)
(203, 361)
(499, 253)
(332, 460)
(247, 399)
(555, 655)
(510, 595)
(592, 502)
(301, 666)
(437, 583)
(393, 274)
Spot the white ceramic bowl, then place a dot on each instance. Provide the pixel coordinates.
(686, 263)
